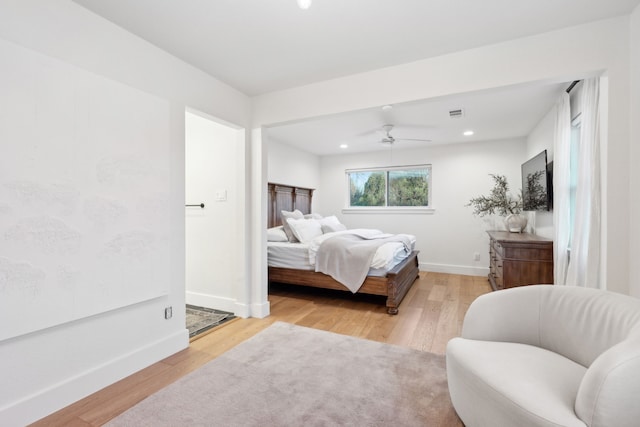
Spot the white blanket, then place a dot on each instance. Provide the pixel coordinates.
(382, 258)
(347, 256)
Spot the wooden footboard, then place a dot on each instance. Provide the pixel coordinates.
(394, 285)
(400, 278)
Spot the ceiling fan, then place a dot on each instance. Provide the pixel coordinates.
(389, 139)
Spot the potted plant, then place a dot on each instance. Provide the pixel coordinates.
(501, 202)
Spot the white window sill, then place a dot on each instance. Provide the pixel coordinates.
(385, 210)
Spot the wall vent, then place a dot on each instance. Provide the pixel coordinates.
(456, 113)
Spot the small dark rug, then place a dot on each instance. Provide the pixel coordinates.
(201, 319)
(290, 375)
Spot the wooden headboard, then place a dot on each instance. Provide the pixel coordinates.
(287, 198)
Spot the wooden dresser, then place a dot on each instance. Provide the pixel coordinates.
(518, 259)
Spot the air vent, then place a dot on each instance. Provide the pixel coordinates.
(456, 113)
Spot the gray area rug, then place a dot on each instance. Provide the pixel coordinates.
(289, 375)
(201, 319)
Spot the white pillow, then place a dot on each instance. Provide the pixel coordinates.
(287, 228)
(305, 230)
(331, 223)
(277, 234)
(313, 216)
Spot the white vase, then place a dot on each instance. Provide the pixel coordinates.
(515, 223)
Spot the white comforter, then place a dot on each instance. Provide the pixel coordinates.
(347, 257)
(387, 254)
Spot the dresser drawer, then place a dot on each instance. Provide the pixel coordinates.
(531, 253)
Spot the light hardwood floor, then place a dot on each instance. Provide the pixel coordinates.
(430, 315)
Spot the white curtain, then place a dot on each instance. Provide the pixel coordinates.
(561, 188)
(584, 263)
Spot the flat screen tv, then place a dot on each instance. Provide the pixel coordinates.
(536, 185)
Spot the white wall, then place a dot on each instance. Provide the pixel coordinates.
(634, 158)
(448, 238)
(97, 229)
(288, 165)
(47, 369)
(541, 138)
(212, 153)
(559, 55)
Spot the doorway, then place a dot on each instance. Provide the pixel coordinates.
(214, 193)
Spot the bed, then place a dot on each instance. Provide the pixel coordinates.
(392, 283)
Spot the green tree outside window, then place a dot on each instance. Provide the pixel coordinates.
(393, 187)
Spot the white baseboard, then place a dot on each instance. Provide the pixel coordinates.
(239, 309)
(258, 311)
(261, 310)
(58, 396)
(464, 270)
(212, 301)
(242, 310)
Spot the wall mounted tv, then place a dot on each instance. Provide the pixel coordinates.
(537, 184)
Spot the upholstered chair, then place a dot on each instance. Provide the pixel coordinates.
(547, 355)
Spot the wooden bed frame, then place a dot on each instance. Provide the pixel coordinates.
(394, 285)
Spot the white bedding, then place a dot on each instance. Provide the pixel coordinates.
(289, 255)
(301, 256)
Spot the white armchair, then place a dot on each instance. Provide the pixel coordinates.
(547, 356)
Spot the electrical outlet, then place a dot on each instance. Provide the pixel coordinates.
(168, 312)
(476, 256)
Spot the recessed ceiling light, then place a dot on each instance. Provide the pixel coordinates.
(468, 133)
(304, 4)
(387, 107)
(343, 146)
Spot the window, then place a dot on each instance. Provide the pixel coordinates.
(407, 187)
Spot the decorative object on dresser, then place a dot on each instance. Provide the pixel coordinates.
(515, 223)
(519, 259)
(500, 202)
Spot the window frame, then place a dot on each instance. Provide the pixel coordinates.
(389, 209)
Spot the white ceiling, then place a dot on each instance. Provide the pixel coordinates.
(495, 114)
(260, 46)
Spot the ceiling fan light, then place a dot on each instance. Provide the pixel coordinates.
(304, 4)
